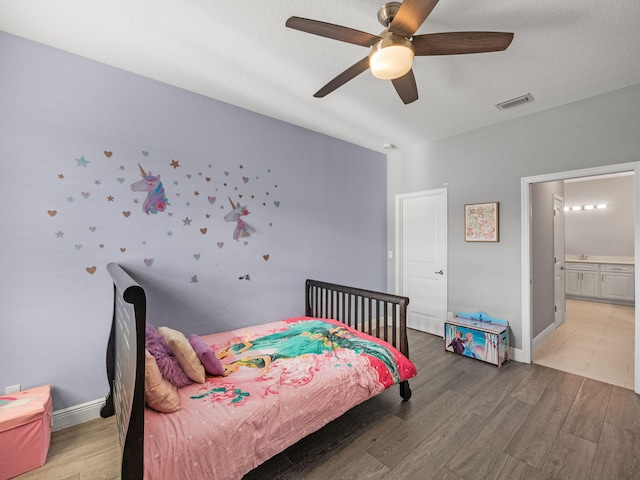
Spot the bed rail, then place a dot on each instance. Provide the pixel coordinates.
(382, 315)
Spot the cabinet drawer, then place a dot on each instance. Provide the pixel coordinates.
(582, 266)
(606, 267)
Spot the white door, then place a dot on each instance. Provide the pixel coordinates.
(421, 260)
(558, 261)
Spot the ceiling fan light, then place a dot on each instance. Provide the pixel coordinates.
(391, 57)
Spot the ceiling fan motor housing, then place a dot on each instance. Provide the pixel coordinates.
(387, 12)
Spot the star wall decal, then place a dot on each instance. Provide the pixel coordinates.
(110, 198)
(59, 234)
(175, 164)
(61, 176)
(81, 162)
(186, 221)
(98, 182)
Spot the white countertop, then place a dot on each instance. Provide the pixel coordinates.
(600, 259)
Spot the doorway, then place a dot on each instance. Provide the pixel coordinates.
(527, 269)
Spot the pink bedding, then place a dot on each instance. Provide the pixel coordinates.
(285, 380)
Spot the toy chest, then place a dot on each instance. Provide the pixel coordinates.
(479, 336)
(25, 431)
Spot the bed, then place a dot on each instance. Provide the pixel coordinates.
(281, 381)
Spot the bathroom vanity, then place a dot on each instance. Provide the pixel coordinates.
(606, 279)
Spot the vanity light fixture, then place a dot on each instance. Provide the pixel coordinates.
(586, 207)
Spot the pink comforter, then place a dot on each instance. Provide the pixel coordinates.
(287, 380)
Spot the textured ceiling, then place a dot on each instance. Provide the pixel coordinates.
(241, 53)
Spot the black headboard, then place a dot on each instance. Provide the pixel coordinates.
(125, 371)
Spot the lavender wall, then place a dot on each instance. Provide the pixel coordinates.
(74, 137)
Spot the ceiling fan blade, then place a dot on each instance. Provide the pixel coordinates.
(406, 87)
(329, 30)
(410, 16)
(454, 43)
(349, 74)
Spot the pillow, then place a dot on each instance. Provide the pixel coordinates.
(207, 356)
(159, 393)
(184, 353)
(166, 362)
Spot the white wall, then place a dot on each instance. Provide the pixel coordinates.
(487, 165)
(600, 232)
(542, 253)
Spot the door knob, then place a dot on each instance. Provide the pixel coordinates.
(439, 273)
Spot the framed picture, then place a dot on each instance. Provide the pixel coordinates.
(481, 222)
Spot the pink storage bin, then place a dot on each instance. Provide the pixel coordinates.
(25, 431)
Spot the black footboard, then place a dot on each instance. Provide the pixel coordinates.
(382, 315)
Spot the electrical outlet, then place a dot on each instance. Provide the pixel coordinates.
(12, 389)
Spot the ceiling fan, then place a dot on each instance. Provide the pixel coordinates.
(392, 51)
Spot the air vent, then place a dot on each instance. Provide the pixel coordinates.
(514, 102)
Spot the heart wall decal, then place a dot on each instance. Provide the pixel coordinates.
(148, 262)
(91, 270)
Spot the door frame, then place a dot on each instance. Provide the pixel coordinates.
(525, 219)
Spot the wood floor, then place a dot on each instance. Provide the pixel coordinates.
(467, 420)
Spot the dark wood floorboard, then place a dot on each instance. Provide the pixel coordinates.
(466, 420)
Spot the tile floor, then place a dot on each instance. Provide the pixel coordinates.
(596, 341)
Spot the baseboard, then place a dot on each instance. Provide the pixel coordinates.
(517, 355)
(542, 336)
(68, 417)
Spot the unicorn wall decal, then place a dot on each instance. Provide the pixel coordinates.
(235, 215)
(156, 200)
